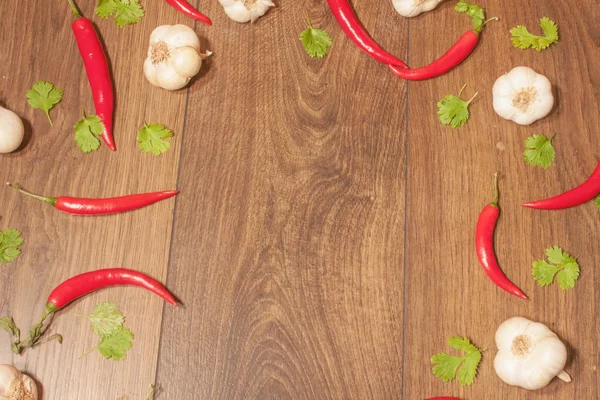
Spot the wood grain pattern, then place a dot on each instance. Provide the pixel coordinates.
(322, 244)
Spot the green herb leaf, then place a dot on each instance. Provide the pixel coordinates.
(105, 8)
(106, 319)
(116, 345)
(128, 12)
(316, 41)
(463, 368)
(539, 151)
(522, 39)
(45, 96)
(561, 265)
(10, 241)
(454, 111)
(8, 324)
(151, 139)
(597, 201)
(476, 13)
(87, 132)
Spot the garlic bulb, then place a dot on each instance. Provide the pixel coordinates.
(412, 8)
(11, 131)
(246, 10)
(522, 96)
(529, 354)
(173, 56)
(16, 386)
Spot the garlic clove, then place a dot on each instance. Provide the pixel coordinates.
(16, 386)
(246, 10)
(168, 78)
(186, 61)
(159, 34)
(30, 386)
(182, 35)
(150, 72)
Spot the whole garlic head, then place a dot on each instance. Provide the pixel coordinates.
(412, 8)
(522, 96)
(173, 56)
(16, 386)
(529, 354)
(246, 10)
(11, 131)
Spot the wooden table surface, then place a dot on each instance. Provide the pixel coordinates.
(322, 242)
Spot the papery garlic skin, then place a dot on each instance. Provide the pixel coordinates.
(529, 354)
(12, 131)
(523, 96)
(16, 386)
(173, 56)
(246, 10)
(412, 8)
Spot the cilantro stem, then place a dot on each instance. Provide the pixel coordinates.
(88, 353)
(461, 89)
(49, 200)
(56, 336)
(49, 119)
(308, 18)
(494, 203)
(472, 98)
(74, 8)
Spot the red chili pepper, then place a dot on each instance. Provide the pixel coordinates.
(484, 241)
(96, 68)
(345, 16)
(186, 8)
(111, 205)
(457, 54)
(574, 197)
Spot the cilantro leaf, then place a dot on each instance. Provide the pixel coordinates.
(522, 39)
(128, 12)
(463, 368)
(87, 131)
(476, 13)
(8, 324)
(105, 8)
(454, 111)
(539, 151)
(45, 96)
(116, 345)
(597, 201)
(106, 319)
(561, 266)
(151, 139)
(316, 41)
(9, 245)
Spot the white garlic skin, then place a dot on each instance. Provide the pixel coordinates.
(12, 131)
(246, 10)
(529, 354)
(523, 96)
(412, 8)
(173, 56)
(16, 386)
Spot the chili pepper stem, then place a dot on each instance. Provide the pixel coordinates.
(49, 200)
(74, 8)
(56, 336)
(490, 20)
(494, 203)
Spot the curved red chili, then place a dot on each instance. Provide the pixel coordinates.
(110, 205)
(574, 197)
(484, 241)
(186, 8)
(453, 57)
(96, 68)
(346, 18)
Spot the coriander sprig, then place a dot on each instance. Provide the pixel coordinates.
(463, 368)
(454, 111)
(560, 265)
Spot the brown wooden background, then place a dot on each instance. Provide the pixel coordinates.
(322, 243)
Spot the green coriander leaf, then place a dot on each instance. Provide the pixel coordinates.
(523, 39)
(87, 132)
(454, 111)
(539, 151)
(10, 241)
(568, 275)
(556, 256)
(544, 273)
(106, 319)
(45, 96)
(116, 345)
(463, 368)
(316, 41)
(8, 324)
(476, 13)
(106, 8)
(597, 201)
(151, 139)
(128, 12)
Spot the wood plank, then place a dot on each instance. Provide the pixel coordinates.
(450, 181)
(38, 44)
(288, 240)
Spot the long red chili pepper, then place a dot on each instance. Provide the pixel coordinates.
(186, 8)
(574, 197)
(484, 241)
(111, 205)
(96, 67)
(457, 54)
(345, 16)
